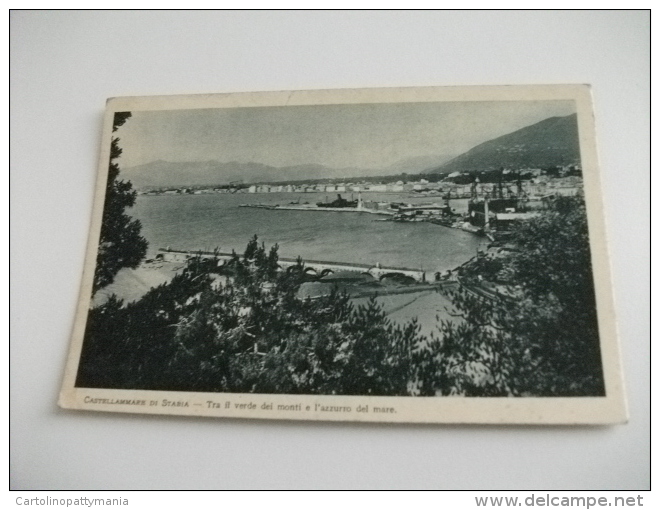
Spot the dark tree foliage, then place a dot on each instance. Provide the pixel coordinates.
(120, 243)
(543, 340)
(132, 345)
(240, 328)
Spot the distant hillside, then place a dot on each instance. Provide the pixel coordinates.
(416, 165)
(551, 142)
(193, 173)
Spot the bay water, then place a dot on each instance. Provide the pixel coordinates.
(208, 221)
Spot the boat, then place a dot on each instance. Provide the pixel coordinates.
(339, 203)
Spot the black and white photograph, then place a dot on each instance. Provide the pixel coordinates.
(330, 249)
(381, 255)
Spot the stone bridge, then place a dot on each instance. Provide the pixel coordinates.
(318, 266)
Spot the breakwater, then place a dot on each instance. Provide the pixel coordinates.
(305, 207)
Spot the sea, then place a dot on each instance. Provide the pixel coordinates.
(210, 221)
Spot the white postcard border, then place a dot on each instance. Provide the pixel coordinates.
(496, 410)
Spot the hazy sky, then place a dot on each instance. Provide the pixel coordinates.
(363, 135)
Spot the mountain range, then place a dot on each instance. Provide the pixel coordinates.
(551, 142)
(194, 173)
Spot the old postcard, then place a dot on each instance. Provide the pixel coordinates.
(391, 255)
